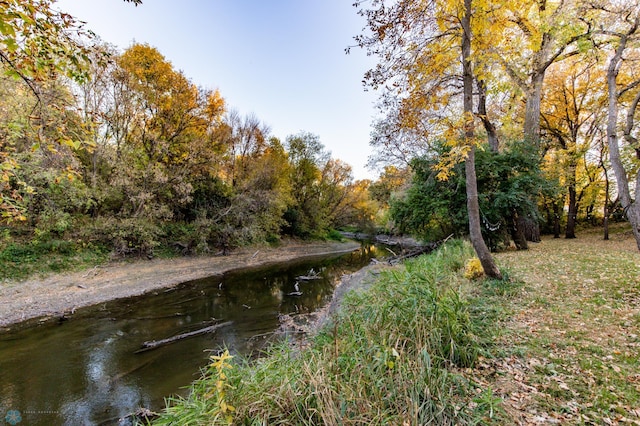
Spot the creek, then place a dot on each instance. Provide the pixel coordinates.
(85, 370)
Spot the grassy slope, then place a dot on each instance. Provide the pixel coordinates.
(570, 343)
(394, 356)
(564, 348)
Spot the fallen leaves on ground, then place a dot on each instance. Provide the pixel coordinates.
(570, 344)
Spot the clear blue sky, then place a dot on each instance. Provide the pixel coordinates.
(282, 60)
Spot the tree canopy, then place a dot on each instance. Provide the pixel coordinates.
(525, 71)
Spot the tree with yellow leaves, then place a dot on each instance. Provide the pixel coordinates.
(534, 35)
(572, 116)
(426, 70)
(168, 133)
(619, 36)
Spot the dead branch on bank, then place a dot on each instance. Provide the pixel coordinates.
(418, 251)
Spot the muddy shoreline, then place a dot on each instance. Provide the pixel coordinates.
(31, 302)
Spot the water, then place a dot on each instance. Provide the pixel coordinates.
(86, 371)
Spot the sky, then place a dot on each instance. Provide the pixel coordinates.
(282, 60)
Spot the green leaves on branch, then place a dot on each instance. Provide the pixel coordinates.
(508, 181)
(37, 41)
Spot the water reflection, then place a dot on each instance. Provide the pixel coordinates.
(104, 392)
(86, 370)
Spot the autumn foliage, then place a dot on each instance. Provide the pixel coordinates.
(135, 157)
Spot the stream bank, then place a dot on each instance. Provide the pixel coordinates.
(111, 358)
(58, 296)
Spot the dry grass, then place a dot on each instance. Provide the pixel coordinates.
(571, 342)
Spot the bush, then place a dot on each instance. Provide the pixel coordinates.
(473, 269)
(182, 237)
(334, 235)
(126, 237)
(52, 224)
(508, 182)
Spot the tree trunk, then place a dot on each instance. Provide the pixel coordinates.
(517, 231)
(612, 139)
(557, 208)
(570, 231)
(532, 109)
(492, 134)
(605, 223)
(473, 206)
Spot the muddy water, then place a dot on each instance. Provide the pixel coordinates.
(86, 371)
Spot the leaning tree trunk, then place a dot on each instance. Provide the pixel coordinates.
(473, 206)
(631, 208)
(473, 209)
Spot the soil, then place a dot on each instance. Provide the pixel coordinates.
(43, 299)
(357, 281)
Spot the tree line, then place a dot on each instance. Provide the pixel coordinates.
(499, 120)
(132, 155)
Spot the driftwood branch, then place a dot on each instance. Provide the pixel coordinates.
(312, 275)
(308, 277)
(420, 250)
(153, 344)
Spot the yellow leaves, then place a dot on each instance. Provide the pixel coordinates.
(388, 357)
(445, 166)
(215, 106)
(473, 269)
(459, 144)
(219, 364)
(147, 65)
(73, 144)
(176, 117)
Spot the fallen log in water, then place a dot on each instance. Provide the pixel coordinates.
(403, 242)
(308, 277)
(312, 275)
(153, 344)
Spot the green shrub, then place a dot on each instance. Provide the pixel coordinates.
(334, 235)
(182, 237)
(126, 237)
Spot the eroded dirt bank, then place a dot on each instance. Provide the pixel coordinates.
(58, 294)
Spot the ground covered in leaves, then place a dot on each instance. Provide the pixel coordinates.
(568, 349)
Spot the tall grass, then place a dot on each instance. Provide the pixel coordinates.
(391, 356)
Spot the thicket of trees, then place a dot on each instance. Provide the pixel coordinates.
(475, 81)
(133, 155)
(499, 120)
